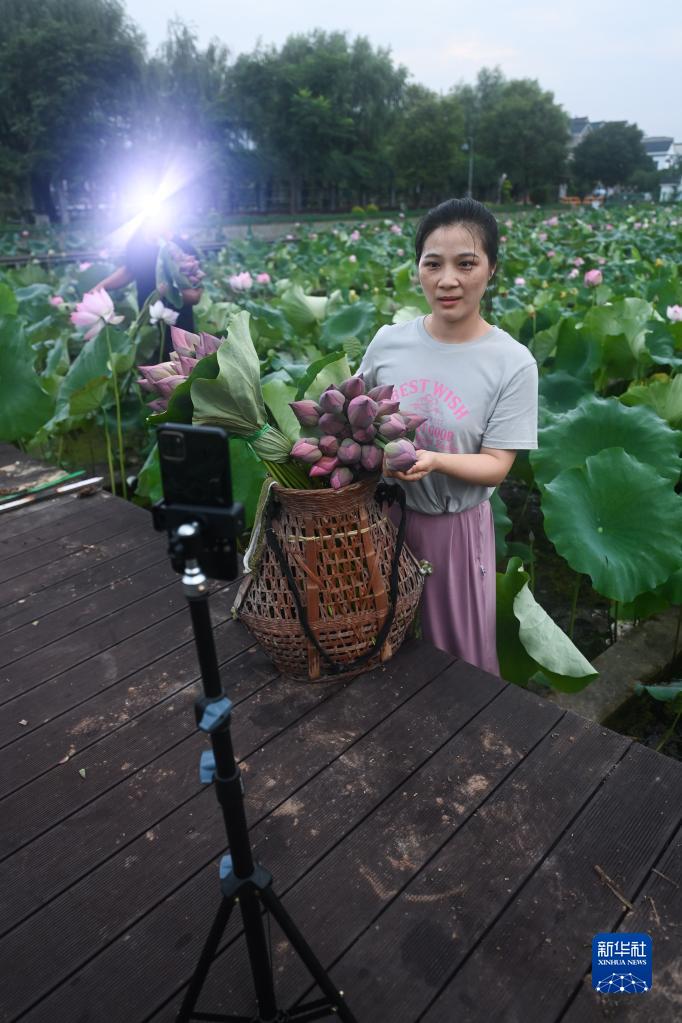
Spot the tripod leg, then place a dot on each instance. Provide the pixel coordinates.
(303, 949)
(205, 959)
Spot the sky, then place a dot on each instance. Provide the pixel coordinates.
(610, 60)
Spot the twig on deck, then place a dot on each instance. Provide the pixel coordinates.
(664, 876)
(612, 885)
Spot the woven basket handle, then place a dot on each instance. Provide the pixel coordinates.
(386, 493)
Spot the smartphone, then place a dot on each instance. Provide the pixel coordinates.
(197, 487)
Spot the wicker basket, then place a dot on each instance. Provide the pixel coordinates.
(339, 547)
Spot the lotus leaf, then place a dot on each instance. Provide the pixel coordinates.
(349, 321)
(616, 520)
(663, 396)
(24, 405)
(599, 423)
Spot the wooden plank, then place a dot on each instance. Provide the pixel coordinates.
(135, 576)
(547, 930)
(21, 761)
(49, 519)
(658, 913)
(121, 796)
(76, 575)
(154, 868)
(37, 549)
(358, 875)
(150, 599)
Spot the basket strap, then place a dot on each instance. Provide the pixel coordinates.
(386, 493)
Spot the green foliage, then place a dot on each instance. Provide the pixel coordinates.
(611, 155)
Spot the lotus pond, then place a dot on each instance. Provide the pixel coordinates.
(589, 527)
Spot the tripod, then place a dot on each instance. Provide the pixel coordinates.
(242, 881)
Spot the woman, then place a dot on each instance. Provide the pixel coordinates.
(478, 388)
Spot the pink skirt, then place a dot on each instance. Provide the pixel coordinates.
(458, 603)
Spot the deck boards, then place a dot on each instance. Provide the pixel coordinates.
(432, 830)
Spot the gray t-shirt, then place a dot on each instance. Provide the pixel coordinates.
(479, 393)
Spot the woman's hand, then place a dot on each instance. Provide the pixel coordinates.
(427, 461)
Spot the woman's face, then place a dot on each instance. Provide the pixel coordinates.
(454, 271)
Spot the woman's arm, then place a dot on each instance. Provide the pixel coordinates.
(486, 469)
(118, 279)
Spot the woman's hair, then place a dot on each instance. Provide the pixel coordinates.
(471, 214)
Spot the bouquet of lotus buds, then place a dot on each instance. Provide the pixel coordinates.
(354, 433)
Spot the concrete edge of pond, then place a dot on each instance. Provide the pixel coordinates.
(642, 655)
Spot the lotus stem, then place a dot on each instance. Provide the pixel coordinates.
(677, 632)
(531, 538)
(110, 455)
(574, 605)
(119, 430)
(670, 732)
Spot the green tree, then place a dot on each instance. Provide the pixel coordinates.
(317, 113)
(611, 154)
(67, 71)
(524, 133)
(426, 147)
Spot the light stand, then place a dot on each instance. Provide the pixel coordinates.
(242, 880)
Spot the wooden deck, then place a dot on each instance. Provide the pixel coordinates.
(433, 831)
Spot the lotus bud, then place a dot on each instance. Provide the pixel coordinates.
(166, 386)
(184, 341)
(332, 400)
(307, 412)
(365, 436)
(187, 364)
(392, 427)
(387, 408)
(328, 445)
(413, 422)
(155, 373)
(400, 455)
(353, 387)
(208, 344)
(361, 411)
(341, 477)
(349, 451)
(383, 392)
(324, 467)
(371, 457)
(306, 450)
(330, 423)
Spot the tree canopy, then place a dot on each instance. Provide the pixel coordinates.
(611, 154)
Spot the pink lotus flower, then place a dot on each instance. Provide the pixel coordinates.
(306, 411)
(352, 258)
(395, 229)
(349, 451)
(324, 467)
(328, 445)
(542, 236)
(353, 387)
(387, 408)
(601, 261)
(413, 421)
(56, 300)
(674, 313)
(263, 278)
(332, 400)
(578, 261)
(371, 457)
(551, 254)
(503, 238)
(306, 450)
(382, 392)
(341, 477)
(400, 252)
(520, 281)
(573, 273)
(593, 278)
(354, 236)
(552, 222)
(400, 455)
(392, 427)
(361, 411)
(25, 234)
(95, 311)
(84, 266)
(241, 282)
(331, 423)
(365, 434)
